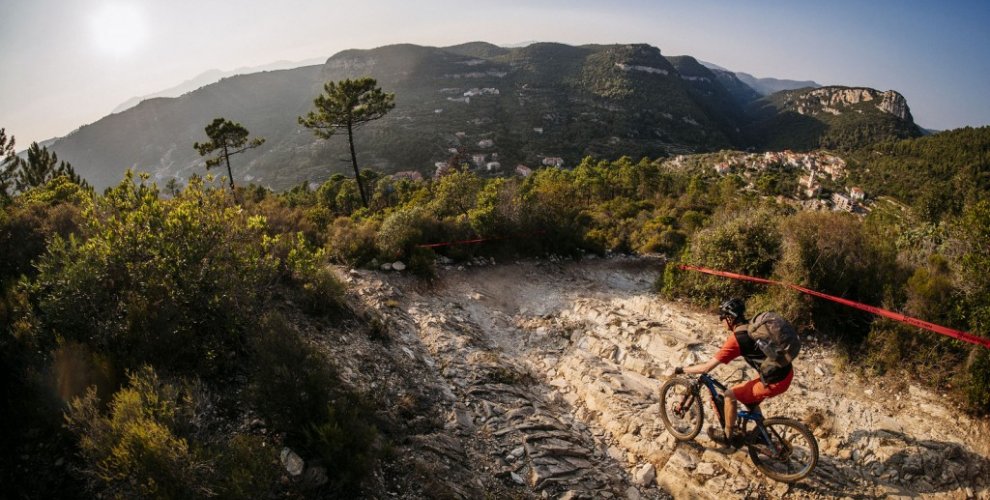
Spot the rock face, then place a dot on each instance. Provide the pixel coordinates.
(835, 100)
(546, 379)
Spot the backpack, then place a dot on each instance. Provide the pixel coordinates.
(776, 338)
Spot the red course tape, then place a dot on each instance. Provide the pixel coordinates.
(942, 330)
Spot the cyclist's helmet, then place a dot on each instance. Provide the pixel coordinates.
(734, 309)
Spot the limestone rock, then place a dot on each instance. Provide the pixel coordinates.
(293, 464)
(645, 475)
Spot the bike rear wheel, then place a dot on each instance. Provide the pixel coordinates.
(791, 452)
(680, 408)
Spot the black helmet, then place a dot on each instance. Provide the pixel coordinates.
(734, 309)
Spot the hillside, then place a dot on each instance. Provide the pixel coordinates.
(831, 117)
(255, 343)
(489, 104)
(937, 174)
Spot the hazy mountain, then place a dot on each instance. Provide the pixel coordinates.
(767, 86)
(212, 76)
(493, 105)
(762, 86)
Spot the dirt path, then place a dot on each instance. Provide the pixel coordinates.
(549, 372)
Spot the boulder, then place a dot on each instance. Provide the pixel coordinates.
(293, 464)
(645, 475)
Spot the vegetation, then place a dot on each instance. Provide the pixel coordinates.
(166, 322)
(227, 139)
(348, 104)
(151, 317)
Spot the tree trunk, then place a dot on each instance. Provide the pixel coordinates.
(357, 174)
(230, 174)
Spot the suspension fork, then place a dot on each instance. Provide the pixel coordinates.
(684, 404)
(772, 444)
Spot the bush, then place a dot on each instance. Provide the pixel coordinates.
(496, 211)
(977, 379)
(138, 450)
(283, 219)
(657, 235)
(745, 242)
(295, 388)
(145, 445)
(352, 242)
(321, 291)
(245, 468)
(344, 440)
(32, 219)
(290, 383)
(830, 252)
(404, 229)
(174, 283)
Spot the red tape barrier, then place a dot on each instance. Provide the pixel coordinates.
(942, 330)
(477, 240)
(452, 243)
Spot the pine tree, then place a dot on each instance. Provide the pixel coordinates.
(40, 167)
(348, 104)
(227, 138)
(8, 160)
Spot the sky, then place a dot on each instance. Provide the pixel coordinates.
(66, 63)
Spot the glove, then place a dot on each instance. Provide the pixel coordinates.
(679, 370)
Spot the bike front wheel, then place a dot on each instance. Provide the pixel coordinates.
(787, 452)
(680, 408)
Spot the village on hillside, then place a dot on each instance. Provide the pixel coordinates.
(821, 175)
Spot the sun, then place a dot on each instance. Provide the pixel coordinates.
(118, 29)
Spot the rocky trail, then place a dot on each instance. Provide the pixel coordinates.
(540, 379)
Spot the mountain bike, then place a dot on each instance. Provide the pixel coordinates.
(781, 448)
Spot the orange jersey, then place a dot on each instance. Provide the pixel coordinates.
(755, 390)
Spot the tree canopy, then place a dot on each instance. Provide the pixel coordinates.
(227, 138)
(345, 105)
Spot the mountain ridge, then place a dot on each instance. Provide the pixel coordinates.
(496, 105)
(212, 76)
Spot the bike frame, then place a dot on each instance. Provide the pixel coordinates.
(715, 388)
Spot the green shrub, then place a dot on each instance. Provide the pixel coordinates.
(352, 242)
(744, 242)
(496, 211)
(320, 290)
(422, 263)
(345, 442)
(657, 235)
(246, 467)
(830, 252)
(977, 379)
(296, 389)
(137, 449)
(167, 282)
(455, 194)
(144, 445)
(404, 229)
(290, 383)
(32, 219)
(283, 219)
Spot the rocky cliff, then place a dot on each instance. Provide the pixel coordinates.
(831, 117)
(835, 100)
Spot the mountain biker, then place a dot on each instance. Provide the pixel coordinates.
(739, 343)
